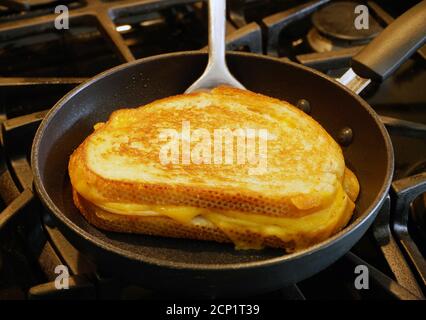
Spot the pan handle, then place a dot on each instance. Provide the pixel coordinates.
(392, 46)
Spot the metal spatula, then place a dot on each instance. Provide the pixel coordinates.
(217, 72)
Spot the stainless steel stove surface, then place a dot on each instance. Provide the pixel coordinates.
(39, 64)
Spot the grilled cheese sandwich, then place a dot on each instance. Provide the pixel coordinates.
(305, 195)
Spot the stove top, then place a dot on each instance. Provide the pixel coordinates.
(39, 64)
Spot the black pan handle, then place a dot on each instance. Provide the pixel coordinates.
(392, 46)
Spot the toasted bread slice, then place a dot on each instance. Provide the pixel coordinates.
(119, 163)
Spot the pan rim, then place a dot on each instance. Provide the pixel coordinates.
(269, 262)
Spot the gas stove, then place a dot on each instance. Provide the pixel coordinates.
(39, 64)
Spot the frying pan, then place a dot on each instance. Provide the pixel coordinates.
(200, 267)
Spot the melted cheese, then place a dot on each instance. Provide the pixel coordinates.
(179, 213)
(322, 222)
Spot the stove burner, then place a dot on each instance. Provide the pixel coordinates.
(334, 28)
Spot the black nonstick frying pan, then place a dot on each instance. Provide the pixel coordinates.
(206, 268)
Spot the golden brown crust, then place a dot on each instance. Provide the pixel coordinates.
(120, 191)
(351, 184)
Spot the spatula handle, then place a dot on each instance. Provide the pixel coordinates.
(217, 18)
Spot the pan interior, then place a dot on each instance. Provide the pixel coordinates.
(147, 80)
